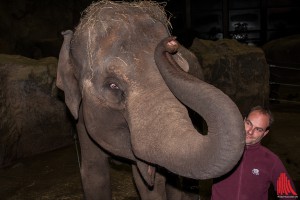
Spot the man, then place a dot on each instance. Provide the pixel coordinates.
(258, 167)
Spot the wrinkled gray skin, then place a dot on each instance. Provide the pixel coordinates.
(128, 89)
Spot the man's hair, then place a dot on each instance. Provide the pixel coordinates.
(265, 111)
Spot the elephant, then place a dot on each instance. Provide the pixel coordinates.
(127, 82)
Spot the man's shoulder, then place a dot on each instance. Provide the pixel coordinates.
(267, 153)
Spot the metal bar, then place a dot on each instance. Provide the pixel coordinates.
(284, 100)
(281, 67)
(225, 18)
(287, 84)
(188, 14)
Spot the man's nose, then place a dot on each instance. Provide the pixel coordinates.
(249, 130)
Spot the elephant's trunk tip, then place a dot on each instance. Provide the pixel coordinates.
(171, 44)
(67, 32)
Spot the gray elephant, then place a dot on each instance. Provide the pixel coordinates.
(125, 82)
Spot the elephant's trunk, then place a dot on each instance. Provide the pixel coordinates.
(178, 146)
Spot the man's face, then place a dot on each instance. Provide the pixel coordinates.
(256, 125)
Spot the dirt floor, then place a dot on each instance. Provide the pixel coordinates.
(55, 175)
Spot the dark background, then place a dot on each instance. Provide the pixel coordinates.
(266, 19)
(32, 27)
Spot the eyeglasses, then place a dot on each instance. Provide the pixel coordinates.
(249, 124)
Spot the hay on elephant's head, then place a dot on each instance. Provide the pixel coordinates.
(102, 17)
(102, 12)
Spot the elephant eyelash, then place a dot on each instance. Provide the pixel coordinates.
(117, 90)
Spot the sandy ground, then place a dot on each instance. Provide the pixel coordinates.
(55, 175)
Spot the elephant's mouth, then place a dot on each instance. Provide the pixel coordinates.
(147, 171)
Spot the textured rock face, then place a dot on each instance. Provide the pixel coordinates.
(284, 51)
(285, 75)
(33, 118)
(239, 70)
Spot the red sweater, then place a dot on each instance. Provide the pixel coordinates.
(251, 178)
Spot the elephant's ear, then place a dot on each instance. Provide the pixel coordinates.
(188, 62)
(66, 79)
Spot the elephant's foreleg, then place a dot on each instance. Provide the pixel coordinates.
(179, 188)
(94, 168)
(157, 191)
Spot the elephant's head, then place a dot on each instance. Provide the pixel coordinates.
(133, 105)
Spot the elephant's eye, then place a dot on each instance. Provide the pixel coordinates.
(113, 86)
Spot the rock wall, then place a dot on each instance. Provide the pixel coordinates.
(34, 118)
(239, 70)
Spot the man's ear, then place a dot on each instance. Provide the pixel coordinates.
(66, 79)
(266, 132)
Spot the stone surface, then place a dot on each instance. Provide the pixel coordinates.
(283, 56)
(284, 51)
(34, 119)
(239, 70)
